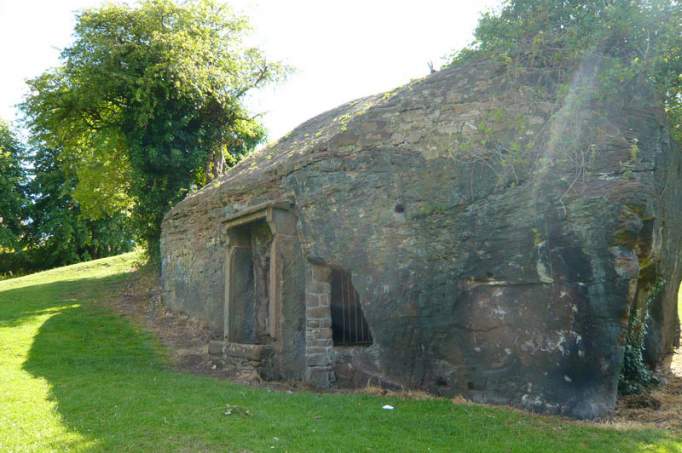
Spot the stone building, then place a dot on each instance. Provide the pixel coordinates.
(475, 232)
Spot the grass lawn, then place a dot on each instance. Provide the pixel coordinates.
(76, 377)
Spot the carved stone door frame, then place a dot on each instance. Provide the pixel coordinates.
(282, 222)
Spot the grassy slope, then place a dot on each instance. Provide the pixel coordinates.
(74, 376)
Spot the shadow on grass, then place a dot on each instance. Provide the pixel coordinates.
(112, 385)
(18, 304)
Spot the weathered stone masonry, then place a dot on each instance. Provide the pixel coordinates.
(261, 270)
(496, 235)
(318, 333)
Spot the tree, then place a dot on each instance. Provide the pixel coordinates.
(151, 100)
(640, 39)
(12, 190)
(58, 233)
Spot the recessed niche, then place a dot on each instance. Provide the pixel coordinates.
(249, 283)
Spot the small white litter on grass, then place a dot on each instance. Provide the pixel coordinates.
(388, 407)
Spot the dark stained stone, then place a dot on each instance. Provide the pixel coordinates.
(498, 232)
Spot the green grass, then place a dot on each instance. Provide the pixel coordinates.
(76, 377)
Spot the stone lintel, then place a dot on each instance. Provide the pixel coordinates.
(255, 212)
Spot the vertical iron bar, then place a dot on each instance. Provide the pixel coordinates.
(345, 308)
(361, 318)
(339, 278)
(356, 314)
(350, 310)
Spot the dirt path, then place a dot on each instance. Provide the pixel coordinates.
(185, 339)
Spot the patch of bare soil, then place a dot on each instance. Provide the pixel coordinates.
(187, 343)
(185, 339)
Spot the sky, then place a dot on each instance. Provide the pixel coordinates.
(340, 50)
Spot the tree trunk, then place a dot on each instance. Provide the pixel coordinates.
(215, 166)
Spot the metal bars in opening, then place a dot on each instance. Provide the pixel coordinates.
(349, 326)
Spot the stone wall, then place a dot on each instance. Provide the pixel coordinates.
(498, 231)
(318, 332)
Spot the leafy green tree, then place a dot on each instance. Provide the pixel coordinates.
(150, 98)
(12, 190)
(58, 233)
(640, 39)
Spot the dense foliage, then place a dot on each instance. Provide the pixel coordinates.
(58, 233)
(12, 189)
(147, 103)
(41, 224)
(639, 39)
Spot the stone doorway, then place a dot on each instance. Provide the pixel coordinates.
(263, 310)
(248, 316)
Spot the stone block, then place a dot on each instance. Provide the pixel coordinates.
(317, 287)
(314, 341)
(312, 300)
(322, 273)
(254, 352)
(320, 377)
(216, 347)
(318, 359)
(317, 313)
(319, 323)
(324, 300)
